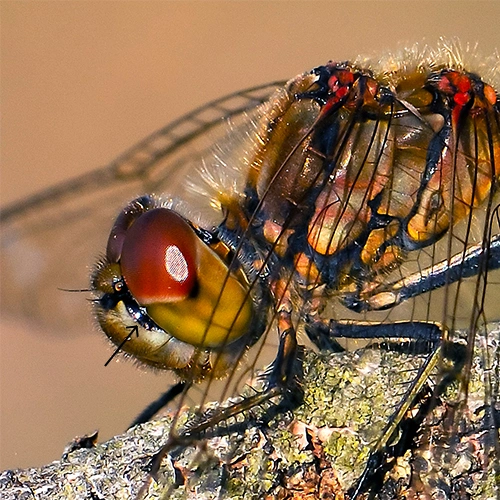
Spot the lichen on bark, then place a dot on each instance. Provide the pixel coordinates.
(315, 450)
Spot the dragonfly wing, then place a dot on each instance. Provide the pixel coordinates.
(50, 241)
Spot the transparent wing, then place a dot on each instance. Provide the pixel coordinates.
(51, 240)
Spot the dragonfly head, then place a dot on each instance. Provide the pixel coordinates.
(159, 275)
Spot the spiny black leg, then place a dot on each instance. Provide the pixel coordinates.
(377, 466)
(152, 409)
(444, 273)
(422, 336)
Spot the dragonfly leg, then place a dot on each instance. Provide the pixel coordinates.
(279, 373)
(419, 336)
(153, 408)
(425, 338)
(459, 266)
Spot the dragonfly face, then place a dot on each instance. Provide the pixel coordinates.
(346, 204)
(193, 314)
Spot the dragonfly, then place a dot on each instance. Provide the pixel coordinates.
(356, 204)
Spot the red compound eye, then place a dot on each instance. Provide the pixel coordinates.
(158, 259)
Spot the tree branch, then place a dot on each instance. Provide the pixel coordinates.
(317, 450)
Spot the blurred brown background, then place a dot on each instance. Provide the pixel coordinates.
(83, 81)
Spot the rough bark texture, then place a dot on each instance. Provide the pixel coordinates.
(317, 450)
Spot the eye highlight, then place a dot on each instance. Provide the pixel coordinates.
(158, 259)
(176, 264)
